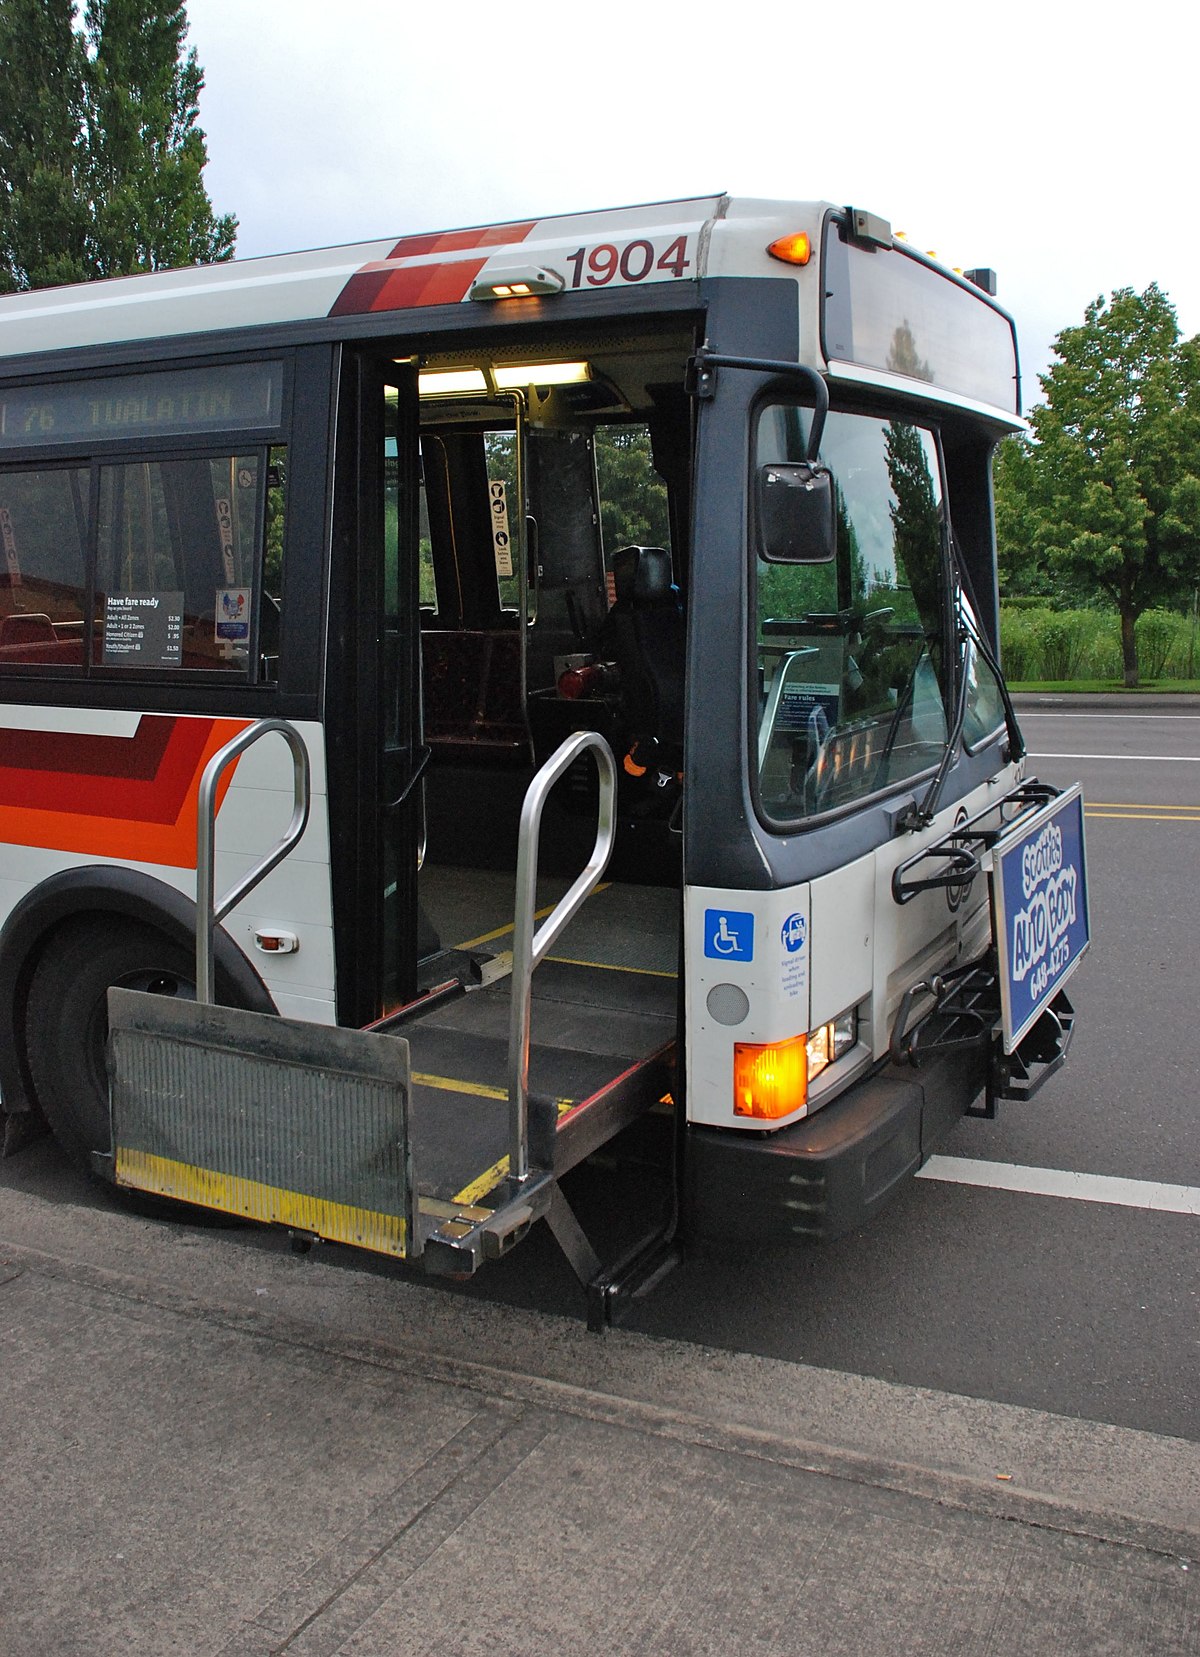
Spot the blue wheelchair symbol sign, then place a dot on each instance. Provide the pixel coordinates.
(729, 934)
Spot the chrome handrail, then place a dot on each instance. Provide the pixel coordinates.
(209, 913)
(529, 946)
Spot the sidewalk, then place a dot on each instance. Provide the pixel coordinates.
(1106, 701)
(213, 1446)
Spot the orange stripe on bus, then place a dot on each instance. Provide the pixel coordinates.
(131, 839)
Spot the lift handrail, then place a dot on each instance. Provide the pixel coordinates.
(209, 913)
(530, 946)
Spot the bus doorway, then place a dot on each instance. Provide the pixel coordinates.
(528, 624)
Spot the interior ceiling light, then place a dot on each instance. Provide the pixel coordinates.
(514, 375)
(433, 382)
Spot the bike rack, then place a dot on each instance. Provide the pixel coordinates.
(958, 856)
(209, 913)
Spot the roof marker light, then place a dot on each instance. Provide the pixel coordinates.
(795, 249)
(518, 282)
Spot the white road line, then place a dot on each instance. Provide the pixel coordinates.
(1055, 1182)
(1179, 759)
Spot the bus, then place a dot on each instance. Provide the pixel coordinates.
(610, 594)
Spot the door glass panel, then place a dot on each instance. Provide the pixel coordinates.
(398, 689)
(851, 685)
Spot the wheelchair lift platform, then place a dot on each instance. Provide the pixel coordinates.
(440, 1134)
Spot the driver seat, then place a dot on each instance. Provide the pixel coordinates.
(645, 637)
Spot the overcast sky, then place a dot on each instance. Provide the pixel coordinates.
(1055, 142)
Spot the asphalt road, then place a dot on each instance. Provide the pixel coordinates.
(1087, 1309)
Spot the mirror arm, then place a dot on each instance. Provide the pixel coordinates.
(702, 383)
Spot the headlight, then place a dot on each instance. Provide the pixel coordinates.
(827, 1044)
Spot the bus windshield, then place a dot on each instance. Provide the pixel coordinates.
(851, 655)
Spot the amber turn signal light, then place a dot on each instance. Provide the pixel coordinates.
(795, 249)
(770, 1079)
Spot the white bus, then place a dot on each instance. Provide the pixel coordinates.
(687, 506)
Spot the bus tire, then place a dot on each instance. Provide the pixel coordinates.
(67, 1019)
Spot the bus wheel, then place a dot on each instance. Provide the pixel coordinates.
(67, 1019)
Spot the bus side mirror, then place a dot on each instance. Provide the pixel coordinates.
(795, 513)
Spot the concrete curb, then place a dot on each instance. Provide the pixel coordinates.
(1151, 1462)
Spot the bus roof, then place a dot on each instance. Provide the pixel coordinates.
(674, 243)
(432, 268)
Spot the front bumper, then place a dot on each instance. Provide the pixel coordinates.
(832, 1172)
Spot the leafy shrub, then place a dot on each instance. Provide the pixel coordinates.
(1162, 644)
(1038, 642)
(1020, 653)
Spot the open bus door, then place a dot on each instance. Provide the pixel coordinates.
(334, 1132)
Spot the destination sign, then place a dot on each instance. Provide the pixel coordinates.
(237, 397)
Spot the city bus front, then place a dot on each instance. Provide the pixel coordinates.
(855, 780)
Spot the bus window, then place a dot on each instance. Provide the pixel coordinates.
(633, 497)
(985, 713)
(851, 655)
(180, 548)
(43, 584)
(426, 580)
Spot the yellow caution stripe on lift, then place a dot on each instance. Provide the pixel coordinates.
(491, 1177)
(335, 1222)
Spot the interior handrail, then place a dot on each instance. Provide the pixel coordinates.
(530, 945)
(208, 912)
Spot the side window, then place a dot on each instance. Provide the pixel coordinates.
(633, 497)
(182, 549)
(43, 580)
(130, 560)
(985, 706)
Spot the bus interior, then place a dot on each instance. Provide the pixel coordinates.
(552, 580)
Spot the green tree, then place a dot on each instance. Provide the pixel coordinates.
(1106, 498)
(632, 495)
(146, 153)
(101, 157)
(43, 200)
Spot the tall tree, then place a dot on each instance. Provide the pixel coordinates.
(146, 154)
(633, 496)
(43, 199)
(1106, 497)
(101, 157)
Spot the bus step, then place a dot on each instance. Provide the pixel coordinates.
(277, 1120)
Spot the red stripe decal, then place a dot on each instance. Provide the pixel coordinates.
(394, 284)
(90, 776)
(132, 798)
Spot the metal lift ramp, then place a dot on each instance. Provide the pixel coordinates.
(499, 1117)
(324, 1130)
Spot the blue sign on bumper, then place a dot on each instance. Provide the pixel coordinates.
(1040, 904)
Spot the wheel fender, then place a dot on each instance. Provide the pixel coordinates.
(98, 890)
